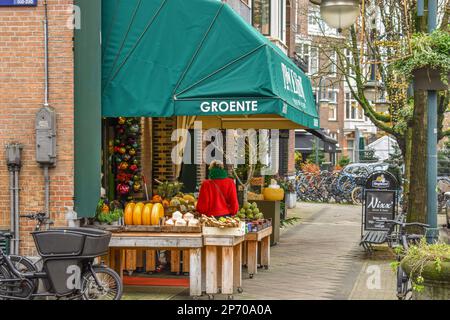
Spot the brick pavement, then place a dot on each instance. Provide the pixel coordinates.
(316, 259)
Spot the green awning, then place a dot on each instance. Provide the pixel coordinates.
(164, 58)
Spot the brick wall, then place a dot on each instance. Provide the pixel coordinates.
(21, 96)
(163, 168)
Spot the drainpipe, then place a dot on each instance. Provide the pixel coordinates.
(12, 205)
(16, 212)
(13, 161)
(46, 52)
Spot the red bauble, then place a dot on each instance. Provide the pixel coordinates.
(123, 189)
(134, 168)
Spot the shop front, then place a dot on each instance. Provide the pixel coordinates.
(194, 67)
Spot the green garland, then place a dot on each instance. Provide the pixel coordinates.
(218, 173)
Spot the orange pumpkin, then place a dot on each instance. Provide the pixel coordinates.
(157, 214)
(147, 214)
(137, 214)
(128, 214)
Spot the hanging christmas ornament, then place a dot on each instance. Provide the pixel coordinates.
(122, 120)
(132, 152)
(123, 166)
(123, 189)
(137, 187)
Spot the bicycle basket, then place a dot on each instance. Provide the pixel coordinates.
(72, 242)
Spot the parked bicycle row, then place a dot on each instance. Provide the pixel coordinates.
(337, 187)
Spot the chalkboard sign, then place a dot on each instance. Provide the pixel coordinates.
(379, 206)
(380, 200)
(18, 3)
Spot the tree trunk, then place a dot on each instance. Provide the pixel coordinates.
(418, 181)
(407, 160)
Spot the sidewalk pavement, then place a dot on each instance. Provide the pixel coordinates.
(318, 258)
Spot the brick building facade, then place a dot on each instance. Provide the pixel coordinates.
(22, 95)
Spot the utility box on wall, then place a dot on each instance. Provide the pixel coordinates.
(46, 136)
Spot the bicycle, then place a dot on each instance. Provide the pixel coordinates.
(68, 270)
(403, 240)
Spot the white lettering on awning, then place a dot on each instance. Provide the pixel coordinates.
(229, 107)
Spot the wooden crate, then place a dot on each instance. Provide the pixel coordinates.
(175, 229)
(142, 229)
(212, 231)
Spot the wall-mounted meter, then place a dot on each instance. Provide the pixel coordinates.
(46, 136)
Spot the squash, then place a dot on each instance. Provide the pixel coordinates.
(157, 214)
(147, 214)
(137, 214)
(128, 214)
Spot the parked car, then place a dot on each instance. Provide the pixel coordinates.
(364, 169)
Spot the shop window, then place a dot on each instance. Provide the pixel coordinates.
(261, 16)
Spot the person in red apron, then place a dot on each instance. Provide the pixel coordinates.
(218, 195)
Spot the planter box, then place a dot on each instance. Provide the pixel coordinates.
(436, 284)
(429, 79)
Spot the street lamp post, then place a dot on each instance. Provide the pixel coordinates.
(431, 139)
(320, 101)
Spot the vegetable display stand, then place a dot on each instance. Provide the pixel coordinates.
(188, 242)
(272, 210)
(223, 264)
(257, 244)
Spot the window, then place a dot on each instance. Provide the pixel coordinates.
(314, 60)
(332, 105)
(282, 21)
(332, 116)
(352, 109)
(310, 55)
(351, 150)
(261, 16)
(349, 58)
(333, 64)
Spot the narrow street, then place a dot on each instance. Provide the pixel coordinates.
(317, 258)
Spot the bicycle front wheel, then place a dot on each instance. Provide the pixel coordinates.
(109, 287)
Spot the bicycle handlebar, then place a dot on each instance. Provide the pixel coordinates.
(404, 224)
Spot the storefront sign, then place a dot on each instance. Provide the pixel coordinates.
(229, 106)
(380, 200)
(18, 3)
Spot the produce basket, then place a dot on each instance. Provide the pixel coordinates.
(72, 242)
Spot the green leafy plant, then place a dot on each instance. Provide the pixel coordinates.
(426, 260)
(110, 217)
(428, 50)
(168, 190)
(344, 161)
